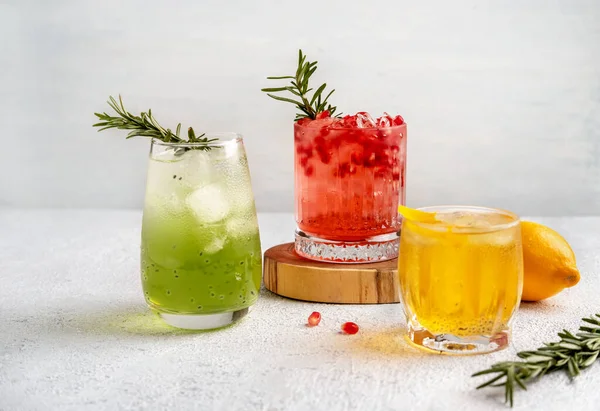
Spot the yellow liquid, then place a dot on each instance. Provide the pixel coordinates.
(459, 276)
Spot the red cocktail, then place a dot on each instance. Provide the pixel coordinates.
(350, 176)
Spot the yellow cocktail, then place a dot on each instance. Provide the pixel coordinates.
(461, 276)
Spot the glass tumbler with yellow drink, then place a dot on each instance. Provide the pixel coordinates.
(461, 277)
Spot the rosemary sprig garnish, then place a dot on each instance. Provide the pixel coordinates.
(572, 353)
(145, 125)
(309, 106)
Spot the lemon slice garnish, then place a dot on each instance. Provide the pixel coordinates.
(417, 215)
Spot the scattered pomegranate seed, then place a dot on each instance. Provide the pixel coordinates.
(349, 328)
(314, 319)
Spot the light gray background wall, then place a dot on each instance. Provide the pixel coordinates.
(502, 98)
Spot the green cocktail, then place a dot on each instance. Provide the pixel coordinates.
(201, 256)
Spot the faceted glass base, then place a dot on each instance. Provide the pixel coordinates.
(463, 345)
(371, 250)
(203, 322)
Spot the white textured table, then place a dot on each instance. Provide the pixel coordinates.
(76, 334)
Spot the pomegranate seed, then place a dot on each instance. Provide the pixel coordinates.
(322, 114)
(380, 134)
(344, 169)
(324, 131)
(398, 120)
(314, 319)
(308, 151)
(356, 158)
(322, 149)
(349, 121)
(308, 171)
(371, 159)
(381, 172)
(349, 328)
(300, 149)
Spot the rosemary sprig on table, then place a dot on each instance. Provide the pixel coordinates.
(310, 106)
(572, 353)
(145, 125)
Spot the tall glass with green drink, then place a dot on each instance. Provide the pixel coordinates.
(201, 256)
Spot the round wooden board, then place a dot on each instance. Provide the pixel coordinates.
(289, 275)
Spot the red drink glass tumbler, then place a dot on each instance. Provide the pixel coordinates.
(349, 181)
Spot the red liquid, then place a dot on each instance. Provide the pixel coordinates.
(349, 181)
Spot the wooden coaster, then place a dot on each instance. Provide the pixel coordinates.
(289, 275)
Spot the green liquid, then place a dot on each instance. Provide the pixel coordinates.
(192, 268)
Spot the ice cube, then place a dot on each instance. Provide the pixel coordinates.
(231, 149)
(197, 156)
(235, 178)
(163, 178)
(462, 219)
(494, 239)
(242, 200)
(197, 168)
(364, 120)
(323, 122)
(209, 203)
(240, 227)
(338, 123)
(385, 121)
(478, 220)
(215, 245)
(169, 155)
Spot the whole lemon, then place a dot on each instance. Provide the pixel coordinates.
(548, 262)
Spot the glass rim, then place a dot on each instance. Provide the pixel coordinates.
(224, 138)
(516, 220)
(403, 125)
